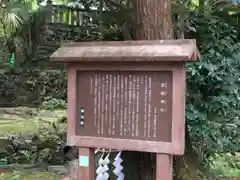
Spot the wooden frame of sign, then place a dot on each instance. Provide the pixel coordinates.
(127, 95)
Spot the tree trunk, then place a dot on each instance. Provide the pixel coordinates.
(153, 20)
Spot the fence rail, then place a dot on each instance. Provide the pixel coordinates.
(71, 16)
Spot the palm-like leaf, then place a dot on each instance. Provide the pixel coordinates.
(12, 20)
(13, 15)
(20, 8)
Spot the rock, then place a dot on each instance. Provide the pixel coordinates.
(73, 169)
(45, 154)
(70, 152)
(24, 141)
(4, 144)
(58, 169)
(66, 178)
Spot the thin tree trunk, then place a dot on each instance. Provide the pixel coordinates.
(153, 20)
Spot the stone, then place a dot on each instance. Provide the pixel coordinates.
(63, 170)
(4, 143)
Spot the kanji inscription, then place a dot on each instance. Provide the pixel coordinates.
(125, 105)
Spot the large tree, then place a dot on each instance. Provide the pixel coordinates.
(153, 20)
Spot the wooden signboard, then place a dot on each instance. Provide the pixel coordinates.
(127, 95)
(123, 105)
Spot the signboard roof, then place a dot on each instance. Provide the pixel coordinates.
(124, 51)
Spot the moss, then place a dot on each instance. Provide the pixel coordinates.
(13, 127)
(226, 165)
(30, 176)
(19, 120)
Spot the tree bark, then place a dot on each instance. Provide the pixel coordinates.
(153, 20)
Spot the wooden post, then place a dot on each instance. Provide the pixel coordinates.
(86, 169)
(164, 167)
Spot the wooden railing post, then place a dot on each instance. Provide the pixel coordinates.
(164, 167)
(86, 168)
(49, 14)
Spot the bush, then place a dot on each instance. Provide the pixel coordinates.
(53, 103)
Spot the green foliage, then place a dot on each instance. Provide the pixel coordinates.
(213, 87)
(52, 139)
(226, 165)
(52, 103)
(35, 78)
(16, 175)
(43, 146)
(52, 84)
(13, 14)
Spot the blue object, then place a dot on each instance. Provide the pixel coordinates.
(84, 161)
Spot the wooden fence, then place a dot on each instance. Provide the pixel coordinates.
(71, 16)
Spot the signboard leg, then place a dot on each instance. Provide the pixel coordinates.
(86, 169)
(164, 167)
